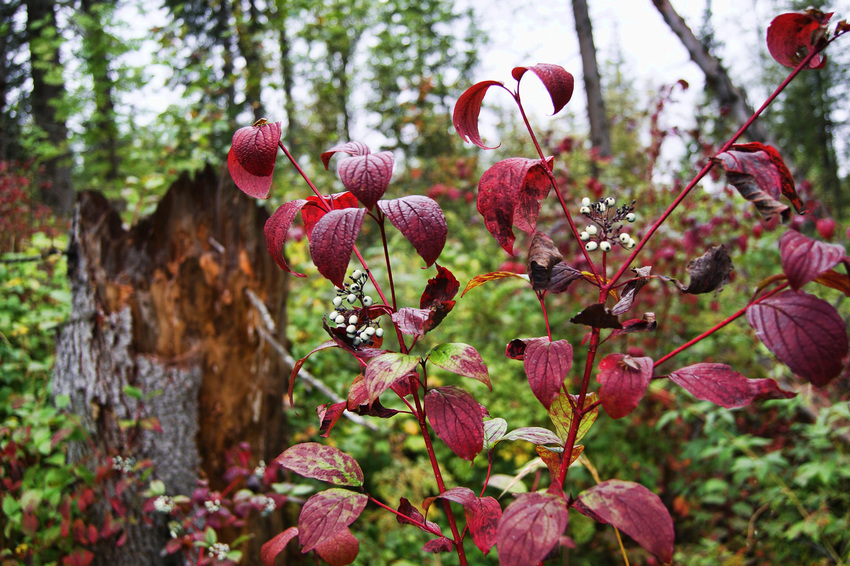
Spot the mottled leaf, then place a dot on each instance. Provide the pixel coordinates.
(384, 370)
(438, 545)
(804, 258)
(561, 414)
(530, 528)
(329, 414)
(547, 365)
(270, 549)
(456, 419)
(561, 277)
(481, 279)
(558, 82)
(634, 510)
(252, 157)
(325, 463)
(791, 37)
(622, 383)
(332, 242)
(806, 333)
(412, 321)
(467, 109)
(327, 513)
(421, 221)
(276, 229)
(367, 176)
(339, 550)
(482, 518)
(461, 359)
(721, 385)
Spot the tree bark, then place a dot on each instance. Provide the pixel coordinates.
(600, 137)
(165, 307)
(717, 80)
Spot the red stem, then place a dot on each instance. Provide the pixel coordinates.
(422, 526)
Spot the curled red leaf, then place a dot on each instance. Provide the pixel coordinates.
(252, 157)
(276, 229)
(804, 259)
(791, 37)
(467, 109)
(351, 148)
(558, 82)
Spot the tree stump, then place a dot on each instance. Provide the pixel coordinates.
(165, 306)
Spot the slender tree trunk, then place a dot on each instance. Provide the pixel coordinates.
(48, 90)
(247, 29)
(288, 71)
(599, 132)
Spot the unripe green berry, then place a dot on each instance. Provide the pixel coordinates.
(591, 246)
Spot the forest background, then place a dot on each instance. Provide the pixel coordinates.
(94, 100)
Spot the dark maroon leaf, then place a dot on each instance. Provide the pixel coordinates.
(339, 550)
(634, 510)
(709, 272)
(558, 82)
(630, 291)
(329, 414)
(547, 365)
(275, 546)
(438, 545)
(351, 148)
(324, 463)
(467, 109)
(806, 333)
(622, 383)
(645, 324)
(276, 229)
(530, 528)
(327, 513)
(597, 315)
(791, 37)
(333, 240)
(561, 277)
(509, 194)
(482, 518)
(408, 510)
(440, 289)
(516, 348)
(367, 176)
(456, 419)
(312, 211)
(760, 175)
(252, 157)
(719, 384)
(421, 221)
(386, 369)
(542, 257)
(804, 258)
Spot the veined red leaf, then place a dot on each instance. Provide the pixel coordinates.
(277, 227)
(530, 528)
(482, 518)
(792, 36)
(252, 157)
(622, 383)
(438, 545)
(327, 513)
(509, 194)
(535, 435)
(421, 221)
(721, 385)
(351, 148)
(456, 419)
(312, 211)
(384, 370)
(547, 365)
(479, 280)
(558, 82)
(411, 321)
(413, 514)
(462, 495)
(804, 258)
(339, 550)
(461, 359)
(561, 414)
(467, 109)
(324, 463)
(806, 333)
(332, 242)
(367, 176)
(270, 549)
(634, 510)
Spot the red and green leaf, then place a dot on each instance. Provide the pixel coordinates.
(456, 419)
(384, 370)
(561, 414)
(721, 385)
(622, 383)
(461, 359)
(327, 513)
(324, 463)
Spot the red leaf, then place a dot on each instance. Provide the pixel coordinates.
(547, 365)
(760, 175)
(806, 333)
(339, 550)
(558, 82)
(367, 176)
(634, 510)
(804, 258)
(508, 195)
(791, 37)
(456, 419)
(384, 370)
(440, 289)
(479, 280)
(408, 510)
(276, 229)
(351, 148)
(530, 528)
(438, 545)
(329, 414)
(333, 240)
(467, 109)
(312, 211)
(421, 221)
(326, 513)
(325, 463)
(622, 383)
(275, 546)
(482, 518)
(721, 385)
(412, 321)
(252, 156)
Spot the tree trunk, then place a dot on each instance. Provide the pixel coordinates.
(716, 78)
(47, 92)
(599, 131)
(165, 307)
(247, 29)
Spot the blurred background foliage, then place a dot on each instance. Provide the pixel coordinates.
(766, 484)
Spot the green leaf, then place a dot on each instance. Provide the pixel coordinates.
(461, 359)
(385, 369)
(561, 413)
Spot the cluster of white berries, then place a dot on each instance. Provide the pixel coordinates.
(163, 504)
(606, 224)
(219, 550)
(260, 470)
(359, 327)
(124, 465)
(268, 506)
(213, 505)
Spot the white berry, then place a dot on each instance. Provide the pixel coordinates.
(351, 298)
(339, 319)
(357, 274)
(337, 301)
(624, 238)
(352, 319)
(610, 201)
(591, 230)
(605, 246)
(584, 236)
(367, 301)
(379, 332)
(591, 246)
(585, 201)
(631, 217)
(584, 210)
